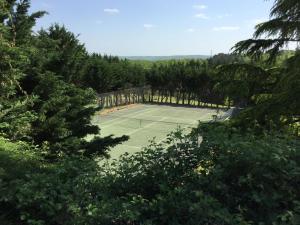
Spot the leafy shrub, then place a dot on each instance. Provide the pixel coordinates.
(17, 160)
(230, 178)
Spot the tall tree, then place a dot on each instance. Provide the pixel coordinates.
(14, 102)
(63, 111)
(62, 53)
(21, 22)
(244, 83)
(283, 29)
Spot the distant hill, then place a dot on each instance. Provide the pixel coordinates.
(163, 58)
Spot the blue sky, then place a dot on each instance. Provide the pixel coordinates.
(156, 27)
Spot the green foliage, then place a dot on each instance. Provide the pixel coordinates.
(223, 59)
(278, 107)
(244, 84)
(14, 102)
(17, 160)
(21, 22)
(41, 100)
(230, 178)
(16, 119)
(281, 107)
(64, 117)
(61, 53)
(280, 30)
(184, 81)
(253, 173)
(105, 74)
(233, 177)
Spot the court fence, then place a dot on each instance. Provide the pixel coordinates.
(147, 94)
(124, 97)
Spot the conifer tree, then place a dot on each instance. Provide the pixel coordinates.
(62, 53)
(63, 111)
(282, 105)
(21, 22)
(14, 102)
(281, 30)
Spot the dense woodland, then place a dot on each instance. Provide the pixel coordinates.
(246, 171)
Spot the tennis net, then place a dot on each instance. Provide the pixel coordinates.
(136, 123)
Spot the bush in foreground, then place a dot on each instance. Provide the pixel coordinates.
(229, 178)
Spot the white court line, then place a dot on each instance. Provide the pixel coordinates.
(190, 121)
(130, 146)
(182, 108)
(148, 110)
(145, 110)
(110, 122)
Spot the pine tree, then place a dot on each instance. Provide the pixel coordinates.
(21, 22)
(281, 30)
(64, 119)
(62, 53)
(63, 111)
(14, 102)
(282, 106)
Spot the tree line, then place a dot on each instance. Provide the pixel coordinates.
(187, 83)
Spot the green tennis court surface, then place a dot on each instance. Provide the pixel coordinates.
(145, 122)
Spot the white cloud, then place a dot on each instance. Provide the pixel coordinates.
(201, 16)
(112, 11)
(224, 16)
(199, 6)
(148, 26)
(191, 30)
(226, 28)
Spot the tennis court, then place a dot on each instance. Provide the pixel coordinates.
(145, 122)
